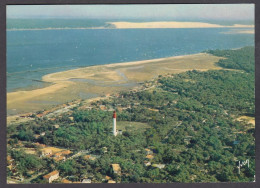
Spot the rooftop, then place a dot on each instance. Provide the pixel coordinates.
(53, 173)
(149, 157)
(116, 167)
(111, 181)
(65, 181)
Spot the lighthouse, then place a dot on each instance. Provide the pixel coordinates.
(114, 123)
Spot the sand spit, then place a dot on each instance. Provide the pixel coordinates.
(94, 81)
(150, 25)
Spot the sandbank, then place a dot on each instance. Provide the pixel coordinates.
(100, 80)
(150, 25)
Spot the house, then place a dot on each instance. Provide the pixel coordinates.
(150, 157)
(160, 166)
(9, 160)
(56, 126)
(43, 134)
(59, 158)
(51, 176)
(86, 181)
(102, 107)
(66, 152)
(88, 107)
(58, 154)
(36, 136)
(187, 139)
(116, 169)
(147, 163)
(65, 181)
(89, 157)
(46, 152)
(148, 151)
(111, 181)
(10, 167)
(71, 118)
(39, 115)
(30, 172)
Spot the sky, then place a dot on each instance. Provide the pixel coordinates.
(181, 11)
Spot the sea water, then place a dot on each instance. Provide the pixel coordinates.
(32, 54)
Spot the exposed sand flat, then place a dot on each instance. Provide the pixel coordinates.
(23, 95)
(147, 25)
(95, 81)
(100, 72)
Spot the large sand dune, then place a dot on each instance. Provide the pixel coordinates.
(147, 25)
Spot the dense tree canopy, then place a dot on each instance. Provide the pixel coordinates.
(193, 128)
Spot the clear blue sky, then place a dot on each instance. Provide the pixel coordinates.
(188, 11)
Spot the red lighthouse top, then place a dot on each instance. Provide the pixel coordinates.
(114, 114)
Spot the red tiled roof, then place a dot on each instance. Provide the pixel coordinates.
(47, 176)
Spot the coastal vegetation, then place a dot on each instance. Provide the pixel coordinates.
(233, 61)
(186, 129)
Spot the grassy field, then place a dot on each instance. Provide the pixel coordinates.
(131, 126)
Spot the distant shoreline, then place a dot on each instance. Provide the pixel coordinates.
(142, 25)
(58, 28)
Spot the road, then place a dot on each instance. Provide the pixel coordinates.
(82, 152)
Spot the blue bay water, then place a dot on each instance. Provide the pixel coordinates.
(32, 54)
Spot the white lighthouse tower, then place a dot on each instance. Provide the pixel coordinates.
(114, 124)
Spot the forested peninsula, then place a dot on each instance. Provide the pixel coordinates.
(193, 126)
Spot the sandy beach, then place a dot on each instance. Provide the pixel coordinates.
(147, 25)
(100, 80)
